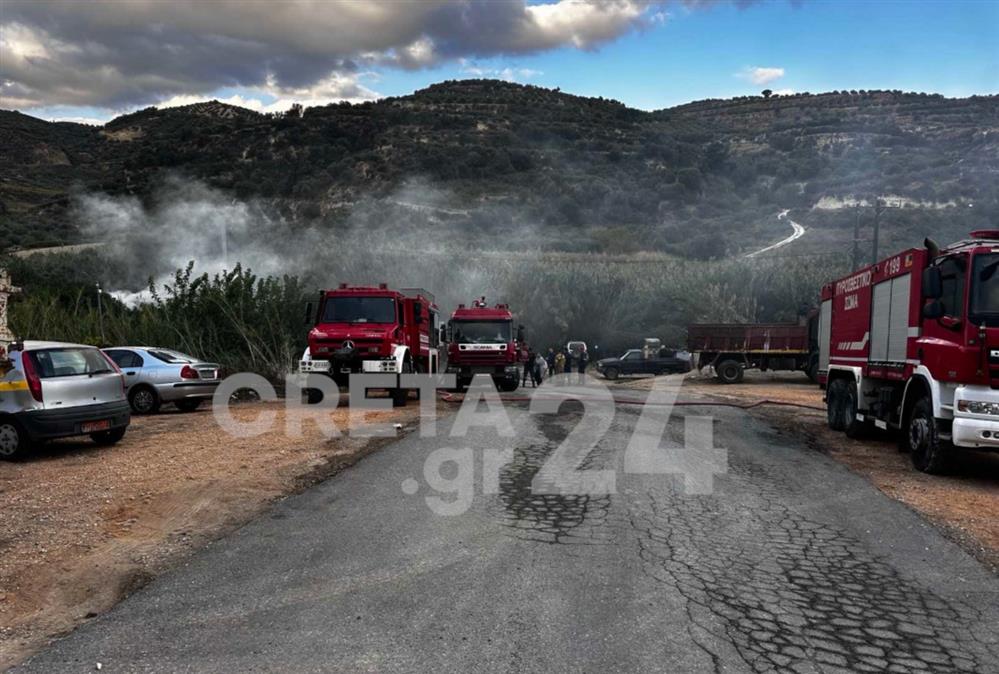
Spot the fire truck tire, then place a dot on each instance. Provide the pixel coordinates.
(854, 427)
(929, 452)
(612, 373)
(729, 371)
(13, 440)
(400, 395)
(313, 396)
(508, 386)
(834, 404)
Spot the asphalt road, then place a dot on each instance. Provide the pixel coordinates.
(790, 564)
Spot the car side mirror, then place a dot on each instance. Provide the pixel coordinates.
(308, 313)
(933, 309)
(932, 283)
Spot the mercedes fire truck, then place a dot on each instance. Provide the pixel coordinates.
(481, 340)
(912, 344)
(374, 330)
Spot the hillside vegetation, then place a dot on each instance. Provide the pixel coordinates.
(497, 164)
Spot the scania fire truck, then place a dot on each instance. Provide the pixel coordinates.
(374, 330)
(912, 344)
(481, 340)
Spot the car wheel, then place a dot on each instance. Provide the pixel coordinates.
(834, 404)
(13, 441)
(612, 373)
(144, 400)
(729, 371)
(929, 452)
(188, 404)
(108, 438)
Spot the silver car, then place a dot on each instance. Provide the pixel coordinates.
(156, 376)
(53, 390)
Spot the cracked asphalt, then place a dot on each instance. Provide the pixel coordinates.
(791, 564)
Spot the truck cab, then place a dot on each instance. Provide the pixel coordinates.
(372, 329)
(482, 340)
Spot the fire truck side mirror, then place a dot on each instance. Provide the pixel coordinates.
(933, 309)
(308, 313)
(932, 283)
(521, 334)
(443, 334)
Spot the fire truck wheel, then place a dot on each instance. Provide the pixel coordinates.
(313, 396)
(729, 371)
(854, 427)
(929, 453)
(400, 395)
(13, 441)
(834, 404)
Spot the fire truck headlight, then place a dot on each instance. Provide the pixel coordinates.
(977, 407)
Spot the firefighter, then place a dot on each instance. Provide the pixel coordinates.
(559, 362)
(529, 367)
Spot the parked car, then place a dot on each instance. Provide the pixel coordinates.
(639, 361)
(53, 390)
(156, 376)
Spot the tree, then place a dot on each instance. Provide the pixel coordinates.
(767, 93)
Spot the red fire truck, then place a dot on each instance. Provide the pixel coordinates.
(481, 340)
(912, 344)
(374, 330)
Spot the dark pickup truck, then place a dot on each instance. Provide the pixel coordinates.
(664, 361)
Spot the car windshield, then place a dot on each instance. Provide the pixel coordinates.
(172, 357)
(359, 310)
(69, 362)
(483, 332)
(985, 290)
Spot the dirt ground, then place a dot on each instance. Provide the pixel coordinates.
(83, 526)
(964, 503)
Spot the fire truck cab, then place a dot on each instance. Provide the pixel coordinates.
(481, 340)
(373, 330)
(912, 344)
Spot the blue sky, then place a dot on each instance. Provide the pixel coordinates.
(670, 54)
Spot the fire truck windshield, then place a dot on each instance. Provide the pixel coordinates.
(359, 310)
(482, 332)
(985, 290)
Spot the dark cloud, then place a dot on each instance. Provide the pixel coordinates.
(123, 53)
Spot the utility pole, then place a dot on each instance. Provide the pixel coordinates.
(879, 207)
(100, 314)
(856, 237)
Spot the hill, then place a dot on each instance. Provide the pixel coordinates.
(496, 162)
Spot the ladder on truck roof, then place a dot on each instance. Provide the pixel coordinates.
(418, 292)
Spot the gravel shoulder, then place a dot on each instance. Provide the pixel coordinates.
(81, 527)
(963, 503)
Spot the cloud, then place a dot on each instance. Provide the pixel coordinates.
(761, 76)
(507, 73)
(125, 53)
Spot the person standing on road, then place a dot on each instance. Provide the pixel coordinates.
(581, 361)
(559, 362)
(529, 367)
(540, 370)
(550, 361)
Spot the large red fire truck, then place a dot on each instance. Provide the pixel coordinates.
(912, 344)
(481, 340)
(374, 330)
